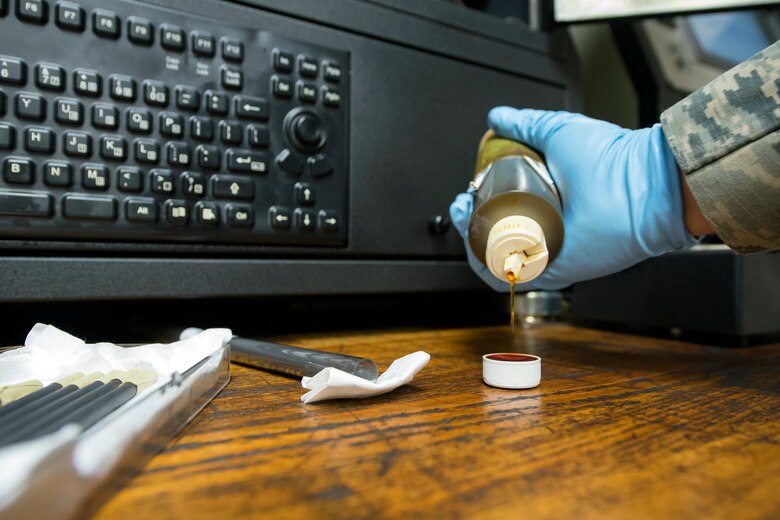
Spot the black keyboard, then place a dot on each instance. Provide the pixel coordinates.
(120, 120)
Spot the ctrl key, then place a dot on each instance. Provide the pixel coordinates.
(29, 204)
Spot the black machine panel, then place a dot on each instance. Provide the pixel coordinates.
(358, 124)
(129, 121)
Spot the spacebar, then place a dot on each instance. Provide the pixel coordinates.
(21, 203)
(85, 206)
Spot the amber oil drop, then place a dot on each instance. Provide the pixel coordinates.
(512, 279)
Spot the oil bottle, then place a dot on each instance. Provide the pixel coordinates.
(516, 227)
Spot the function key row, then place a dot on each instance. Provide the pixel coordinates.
(70, 16)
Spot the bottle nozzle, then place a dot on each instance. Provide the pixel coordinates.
(516, 249)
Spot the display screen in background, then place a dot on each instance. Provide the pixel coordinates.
(729, 37)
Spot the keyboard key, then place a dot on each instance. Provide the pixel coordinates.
(202, 44)
(307, 67)
(329, 220)
(283, 61)
(147, 151)
(171, 124)
(172, 37)
(281, 87)
(230, 132)
(94, 176)
(178, 153)
(89, 207)
(305, 194)
(239, 215)
(139, 120)
(105, 24)
(304, 219)
(331, 97)
(232, 77)
(208, 157)
(139, 30)
(77, 144)
(289, 162)
(50, 77)
(68, 111)
(177, 211)
(307, 92)
(252, 107)
(155, 93)
(161, 181)
(19, 170)
(141, 210)
(32, 10)
(113, 148)
(57, 173)
(246, 161)
(87, 82)
(193, 184)
(207, 213)
(232, 50)
(257, 136)
(12, 70)
(121, 87)
(29, 204)
(105, 116)
(201, 128)
(7, 136)
(70, 16)
(279, 217)
(233, 187)
(187, 98)
(129, 179)
(39, 140)
(319, 166)
(216, 102)
(30, 106)
(331, 71)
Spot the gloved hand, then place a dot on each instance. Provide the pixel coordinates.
(622, 200)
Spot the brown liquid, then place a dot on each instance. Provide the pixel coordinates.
(512, 357)
(511, 278)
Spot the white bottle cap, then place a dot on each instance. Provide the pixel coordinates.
(511, 370)
(516, 245)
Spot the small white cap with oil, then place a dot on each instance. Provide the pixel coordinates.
(516, 245)
(511, 370)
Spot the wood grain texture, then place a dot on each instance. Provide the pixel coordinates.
(621, 427)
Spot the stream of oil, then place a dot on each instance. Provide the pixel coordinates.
(512, 280)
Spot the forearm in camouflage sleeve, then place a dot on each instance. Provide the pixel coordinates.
(726, 139)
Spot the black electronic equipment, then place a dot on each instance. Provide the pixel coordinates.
(168, 149)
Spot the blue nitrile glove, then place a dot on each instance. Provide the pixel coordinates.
(622, 200)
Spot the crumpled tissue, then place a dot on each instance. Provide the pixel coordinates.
(332, 383)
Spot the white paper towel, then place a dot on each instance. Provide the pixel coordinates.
(332, 383)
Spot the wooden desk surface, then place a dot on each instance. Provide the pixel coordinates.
(621, 427)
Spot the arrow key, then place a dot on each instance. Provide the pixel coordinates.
(304, 219)
(329, 220)
(304, 194)
(279, 217)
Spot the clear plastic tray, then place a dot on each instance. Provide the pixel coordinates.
(74, 481)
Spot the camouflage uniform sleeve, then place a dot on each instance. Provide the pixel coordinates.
(726, 139)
